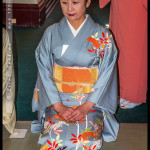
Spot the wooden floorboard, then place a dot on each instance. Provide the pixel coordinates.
(131, 136)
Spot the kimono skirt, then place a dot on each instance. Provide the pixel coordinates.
(59, 134)
(84, 134)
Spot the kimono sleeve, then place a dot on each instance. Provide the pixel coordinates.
(45, 92)
(104, 93)
(103, 3)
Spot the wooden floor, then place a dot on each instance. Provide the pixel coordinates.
(132, 136)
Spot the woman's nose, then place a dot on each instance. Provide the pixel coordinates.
(70, 7)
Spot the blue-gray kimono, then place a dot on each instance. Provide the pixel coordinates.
(92, 47)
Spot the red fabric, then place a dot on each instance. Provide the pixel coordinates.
(128, 22)
(103, 3)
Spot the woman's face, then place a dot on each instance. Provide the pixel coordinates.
(74, 10)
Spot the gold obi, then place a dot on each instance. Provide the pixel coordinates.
(75, 79)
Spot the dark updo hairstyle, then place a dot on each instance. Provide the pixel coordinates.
(86, 1)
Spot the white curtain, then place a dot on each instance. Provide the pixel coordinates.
(9, 112)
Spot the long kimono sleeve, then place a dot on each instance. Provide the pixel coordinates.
(103, 3)
(46, 92)
(104, 93)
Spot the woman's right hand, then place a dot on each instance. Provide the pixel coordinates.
(63, 111)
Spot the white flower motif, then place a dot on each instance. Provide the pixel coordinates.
(95, 36)
(109, 45)
(59, 124)
(46, 124)
(98, 143)
(92, 90)
(58, 140)
(94, 125)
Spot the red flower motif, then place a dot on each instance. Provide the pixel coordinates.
(94, 110)
(104, 40)
(103, 34)
(89, 147)
(99, 45)
(75, 139)
(50, 120)
(53, 146)
(94, 41)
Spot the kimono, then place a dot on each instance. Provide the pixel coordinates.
(128, 22)
(9, 111)
(85, 71)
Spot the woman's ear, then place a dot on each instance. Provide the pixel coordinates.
(88, 3)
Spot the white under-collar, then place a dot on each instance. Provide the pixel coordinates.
(75, 32)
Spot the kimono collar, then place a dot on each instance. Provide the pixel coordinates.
(75, 32)
(66, 33)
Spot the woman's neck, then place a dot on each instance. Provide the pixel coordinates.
(76, 24)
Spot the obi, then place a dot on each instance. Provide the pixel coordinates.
(74, 79)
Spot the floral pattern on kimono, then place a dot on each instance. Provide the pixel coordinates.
(89, 137)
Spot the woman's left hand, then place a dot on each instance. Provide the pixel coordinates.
(81, 111)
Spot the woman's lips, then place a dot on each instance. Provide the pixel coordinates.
(71, 14)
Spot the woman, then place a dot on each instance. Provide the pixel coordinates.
(76, 89)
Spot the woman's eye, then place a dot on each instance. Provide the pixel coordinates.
(75, 2)
(64, 2)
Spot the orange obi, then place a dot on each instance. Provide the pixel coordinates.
(75, 79)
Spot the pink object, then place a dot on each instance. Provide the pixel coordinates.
(128, 22)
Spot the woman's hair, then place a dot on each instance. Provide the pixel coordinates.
(86, 1)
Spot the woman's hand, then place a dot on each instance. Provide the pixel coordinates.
(63, 111)
(81, 111)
